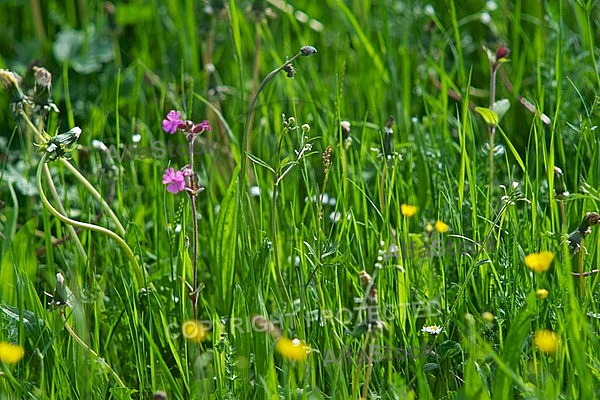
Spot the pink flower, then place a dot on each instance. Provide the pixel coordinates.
(172, 122)
(205, 125)
(175, 180)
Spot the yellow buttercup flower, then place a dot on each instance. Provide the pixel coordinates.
(408, 210)
(11, 353)
(546, 341)
(195, 331)
(541, 294)
(294, 350)
(441, 227)
(539, 262)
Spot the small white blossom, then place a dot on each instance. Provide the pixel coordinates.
(432, 329)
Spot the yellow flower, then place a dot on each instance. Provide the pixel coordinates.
(541, 294)
(488, 317)
(11, 353)
(294, 350)
(546, 341)
(195, 331)
(408, 210)
(539, 262)
(441, 227)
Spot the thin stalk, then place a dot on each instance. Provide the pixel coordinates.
(365, 389)
(276, 180)
(44, 139)
(92, 352)
(255, 68)
(304, 51)
(83, 225)
(41, 139)
(194, 294)
(492, 131)
(96, 194)
(581, 276)
(262, 85)
(60, 208)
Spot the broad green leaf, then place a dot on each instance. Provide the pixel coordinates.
(225, 246)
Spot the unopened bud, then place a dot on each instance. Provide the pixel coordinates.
(308, 51)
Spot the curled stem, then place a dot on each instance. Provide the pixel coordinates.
(84, 225)
(92, 352)
(43, 138)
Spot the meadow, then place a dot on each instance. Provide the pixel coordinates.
(299, 200)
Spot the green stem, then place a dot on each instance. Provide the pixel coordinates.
(61, 209)
(250, 113)
(92, 352)
(44, 139)
(195, 255)
(40, 137)
(492, 130)
(84, 225)
(276, 180)
(94, 193)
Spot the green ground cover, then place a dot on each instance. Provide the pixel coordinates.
(405, 208)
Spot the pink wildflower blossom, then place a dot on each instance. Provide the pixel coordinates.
(175, 180)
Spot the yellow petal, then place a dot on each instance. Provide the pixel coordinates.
(11, 353)
(539, 262)
(441, 227)
(294, 350)
(408, 210)
(546, 341)
(541, 294)
(195, 331)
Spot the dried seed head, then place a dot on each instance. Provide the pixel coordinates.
(43, 78)
(365, 278)
(308, 51)
(42, 96)
(11, 82)
(9, 79)
(290, 71)
(591, 218)
(160, 395)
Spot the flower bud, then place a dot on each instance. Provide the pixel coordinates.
(308, 51)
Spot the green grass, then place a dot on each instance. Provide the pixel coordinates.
(289, 258)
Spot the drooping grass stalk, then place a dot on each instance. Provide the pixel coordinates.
(59, 205)
(119, 227)
(92, 352)
(43, 138)
(84, 225)
(304, 51)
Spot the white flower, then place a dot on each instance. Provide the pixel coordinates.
(432, 329)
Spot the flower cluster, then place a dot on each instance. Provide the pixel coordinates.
(183, 179)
